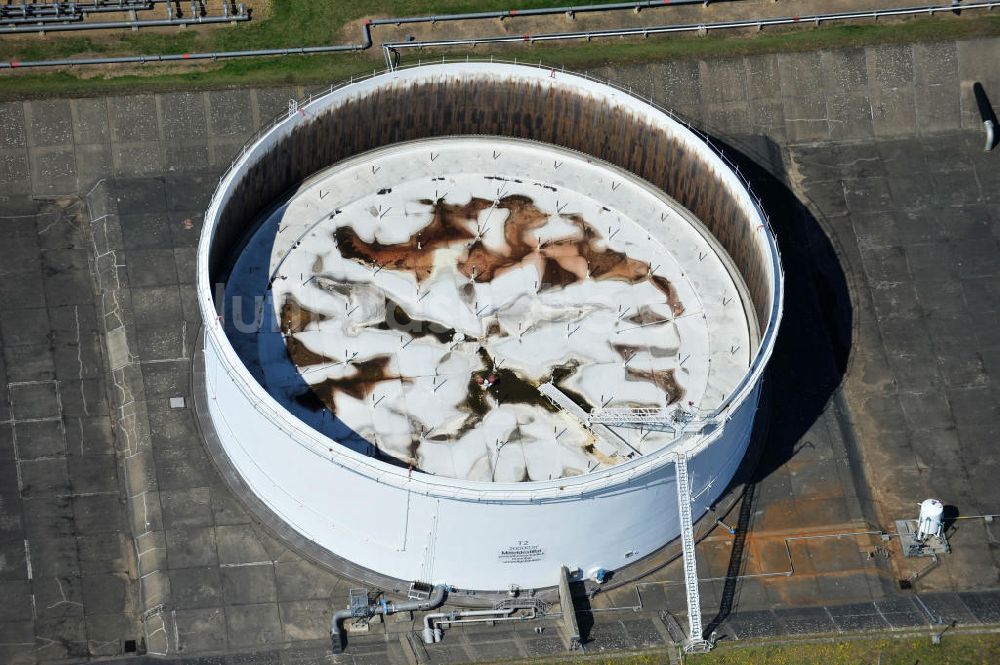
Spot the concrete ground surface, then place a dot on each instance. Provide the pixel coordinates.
(118, 536)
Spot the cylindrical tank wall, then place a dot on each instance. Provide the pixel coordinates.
(472, 544)
(930, 521)
(475, 535)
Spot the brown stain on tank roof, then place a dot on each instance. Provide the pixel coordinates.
(606, 460)
(360, 385)
(665, 379)
(449, 224)
(554, 275)
(670, 291)
(295, 316)
(301, 355)
(559, 262)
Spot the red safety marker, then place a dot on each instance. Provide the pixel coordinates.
(15, 63)
(513, 12)
(795, 19)
(526, 36)
(185, 56)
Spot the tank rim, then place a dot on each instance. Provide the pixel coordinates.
(480, 491)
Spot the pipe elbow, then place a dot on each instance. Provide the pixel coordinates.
(385, 608)
(440, 591)
(336, 633)
(434, 600)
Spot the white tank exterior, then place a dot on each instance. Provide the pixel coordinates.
(930, 521)
(470, 534)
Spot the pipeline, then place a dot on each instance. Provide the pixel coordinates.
(116, 9)
(700, 28)
(40, 22)
(433, 633)
(204, 55)
(112, 25)
(384, 608)
(216, 55)
(569, 10)
(990, 136)
(67, 9)
(987, 114)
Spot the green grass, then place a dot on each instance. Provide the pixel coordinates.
(310, 22)
(955, 649)
(290, 23)
(153, 78)
(643, 658)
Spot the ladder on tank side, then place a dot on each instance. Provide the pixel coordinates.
(696, 643)
(677, 421)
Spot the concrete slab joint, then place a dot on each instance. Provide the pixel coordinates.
(133, 445)
(115, 526)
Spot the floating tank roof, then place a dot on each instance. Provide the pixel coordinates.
(424, 293)
(364, 115)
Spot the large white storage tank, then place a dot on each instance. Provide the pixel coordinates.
(417, 286)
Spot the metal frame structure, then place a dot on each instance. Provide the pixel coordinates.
(696, 641)
(675, 420)
(70, 16)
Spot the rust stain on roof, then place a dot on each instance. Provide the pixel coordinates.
(559, 262)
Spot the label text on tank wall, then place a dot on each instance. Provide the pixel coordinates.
(521, 552)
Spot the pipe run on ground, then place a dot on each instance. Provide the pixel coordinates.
(700, 28)
(568, 10)
(384, 608)
(433, 623)
(113, 25)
